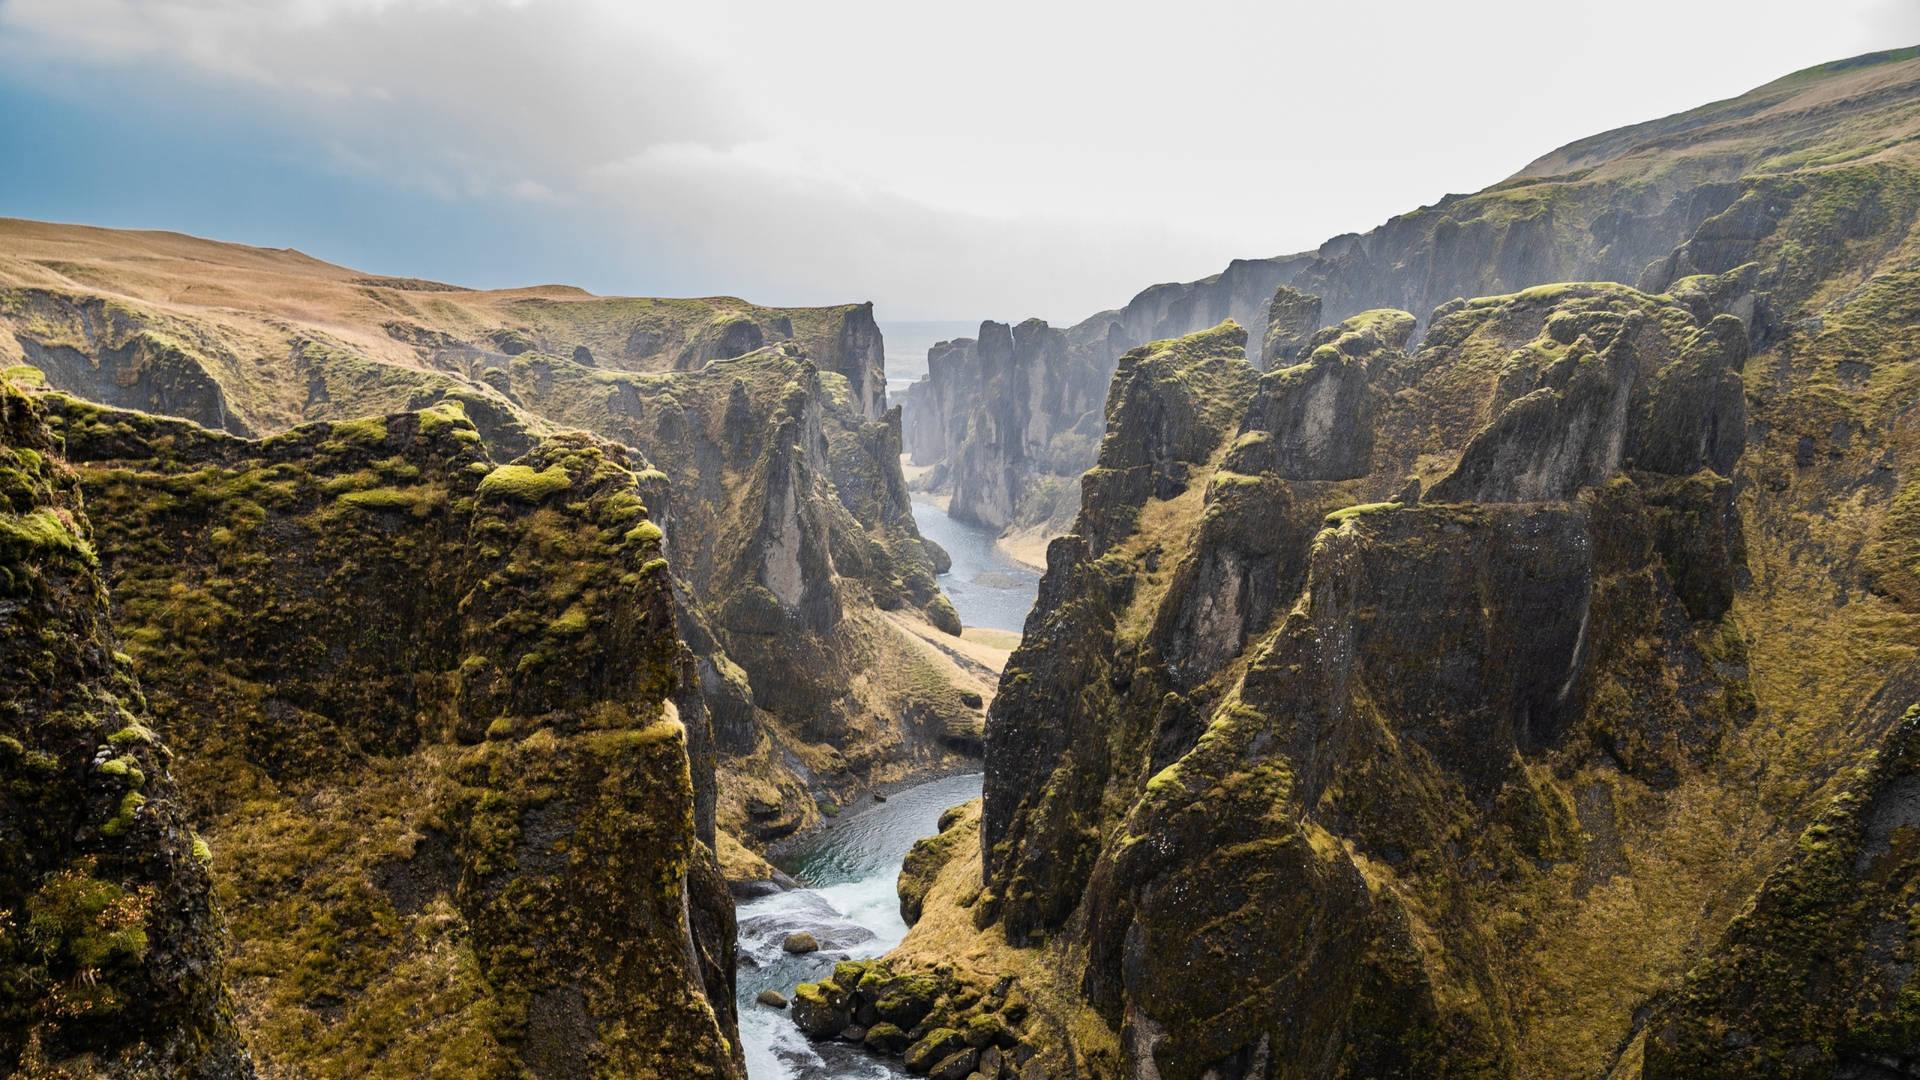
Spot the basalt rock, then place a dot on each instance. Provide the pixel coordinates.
(1292, 318)
(422, 706)
(1350, 732)
(112, 950)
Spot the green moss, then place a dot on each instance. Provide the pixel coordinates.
(1345, 513)
(364, 432)
(645, 533)
(574, 621)
(42, 532)
(24, 375)
(123, 818)
(417, 500)
(134, 734)
(524, 483)
(124, 768)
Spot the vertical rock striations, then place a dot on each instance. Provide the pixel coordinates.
(421, 705)
(111, 946)
(1646, 205)
(1435, 711)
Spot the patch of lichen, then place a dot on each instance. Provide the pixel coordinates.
(459, 831)
(110, 947)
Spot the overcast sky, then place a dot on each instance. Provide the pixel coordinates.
(996, 158)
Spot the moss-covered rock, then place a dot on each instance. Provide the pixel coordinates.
(112, 951)
(1326, 709)
(1815, 976)
(429, 737)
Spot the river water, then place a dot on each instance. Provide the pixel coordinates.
(986, 587)
(850, 906)
(851, 866)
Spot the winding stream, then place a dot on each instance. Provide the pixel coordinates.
(986, 587)
(851, 867)
(851, 908)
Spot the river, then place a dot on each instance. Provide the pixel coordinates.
(851, 908)
(987, 588)
(851, 866)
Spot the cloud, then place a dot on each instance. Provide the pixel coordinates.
(1001, 159)
(472, 96)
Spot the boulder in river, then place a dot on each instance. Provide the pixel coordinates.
(820, 1010)
(772, 999)
(801, 942)
(885, 1038)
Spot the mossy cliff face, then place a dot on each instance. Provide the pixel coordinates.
(421, 704)
(1814, 978)
(802, 583)
(111, 947)
(792, 538)
(1012, 417)
(1300, 773)
(1615, 207)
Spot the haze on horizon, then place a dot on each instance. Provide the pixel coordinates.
(1002, 160)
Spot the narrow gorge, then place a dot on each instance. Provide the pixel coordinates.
(1487, 646)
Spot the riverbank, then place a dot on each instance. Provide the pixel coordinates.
(849, 904)
(988, 587)
(1025, 548)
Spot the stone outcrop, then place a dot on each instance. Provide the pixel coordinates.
(792, 538)
(1435, 709)
(421, 702)
(112, 950)
(1292, 318)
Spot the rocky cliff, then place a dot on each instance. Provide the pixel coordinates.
(1613, 207)
(804, 587)
(422, 702)
(793, 539)
(112, 949)
(1524, 699)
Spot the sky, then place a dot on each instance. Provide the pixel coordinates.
(997, 158)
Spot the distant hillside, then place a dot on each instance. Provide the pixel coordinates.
(1008, 438)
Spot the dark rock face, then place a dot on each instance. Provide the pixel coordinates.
(1326, 714)
(1292, 318)
(115, 355)
(399, 672)
(1015, 415)
(1318, 414)
(1001, 409)
(110, 944)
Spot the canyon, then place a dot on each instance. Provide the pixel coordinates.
(1484, 646)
